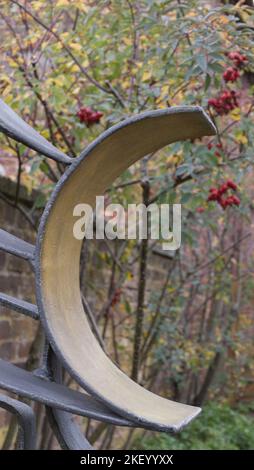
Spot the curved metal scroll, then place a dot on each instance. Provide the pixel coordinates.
(114, 397)
(58, 258)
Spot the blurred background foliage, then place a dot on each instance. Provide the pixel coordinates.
(186, 333)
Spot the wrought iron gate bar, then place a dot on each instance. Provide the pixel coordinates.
(16, 128)
(24, 383)
(21, 306)
(16, 246)
(26, 420)
(67, 431)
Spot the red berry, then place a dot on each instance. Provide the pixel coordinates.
(238, 59)
(231, 74)
(223, 189)
(214, 195)
(212, 102)
(217, 153)
(225, 102)
(88, 116)
(223, 203)
(231, 185)
(236, 200)
(217, 195)
(200, 210)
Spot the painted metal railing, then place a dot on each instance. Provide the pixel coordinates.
(109, 395)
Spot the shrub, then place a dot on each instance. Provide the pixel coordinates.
(219, 428)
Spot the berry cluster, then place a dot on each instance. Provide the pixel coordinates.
(218, 194)
(218, 146)
(88, 116)
(231, 74)
(225, 102)
(239, 59)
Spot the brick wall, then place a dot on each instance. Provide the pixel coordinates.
(16, 279)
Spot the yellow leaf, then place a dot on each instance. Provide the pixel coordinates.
(85, 63)
(160, 105)
(37, 5)
(75, 46)
(45, 133)
(57, 46)
(241, 138)
(74, 68)
(63, 3)
(236, 114)
(6, 91)
(76, 91)
(139, 65)
(82, 7)
(60, 80)
(224, 20)
(12, 63)
(151, 61)
(9, 100)
(129, 276)
(64, 35)
(146, 76)
(164, 90)
(75, 3)
(5, 79)
(27, 181)
(127, 41)
(125, 84)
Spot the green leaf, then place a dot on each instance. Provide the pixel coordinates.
(182, 169)
(186, 197)
(40, 201)
(207, 81)
(202, 62)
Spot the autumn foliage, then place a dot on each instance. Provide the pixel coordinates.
(178, 323)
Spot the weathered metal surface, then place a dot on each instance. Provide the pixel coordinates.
(21, 306)
(26, 420)
(115, 398)
(24, 383)
(13, 126)
(67, 431)
(58, 256)
(16, 246)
